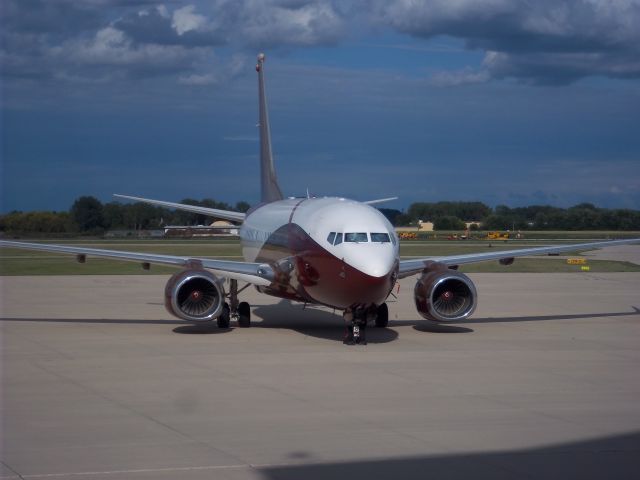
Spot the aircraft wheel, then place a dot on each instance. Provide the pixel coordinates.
(224, 319)
(382, 319)
(244, 315)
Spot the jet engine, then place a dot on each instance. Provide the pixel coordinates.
(194, 295)
(444, 295)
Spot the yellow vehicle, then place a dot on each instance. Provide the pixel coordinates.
(407, 235)
(497, 236)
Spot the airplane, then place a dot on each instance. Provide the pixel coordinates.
(329, 251)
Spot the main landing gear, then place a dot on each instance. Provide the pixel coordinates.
(238, 311)
(356, 320)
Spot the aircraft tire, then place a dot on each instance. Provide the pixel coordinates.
(382, 319)
(244, 315)
(224, 319)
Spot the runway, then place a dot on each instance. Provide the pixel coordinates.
(99, 382)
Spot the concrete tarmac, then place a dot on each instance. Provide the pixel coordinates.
(99, 382)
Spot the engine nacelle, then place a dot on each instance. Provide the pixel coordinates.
(444, 295)
(194, 295)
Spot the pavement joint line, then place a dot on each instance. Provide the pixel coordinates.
(131, 471)
(17, 475)
(148, 470)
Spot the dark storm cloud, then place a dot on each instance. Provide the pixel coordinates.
(100, 40)
(546, 41)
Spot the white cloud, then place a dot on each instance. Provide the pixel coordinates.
(162, 10)
(223, 72)
(288, 23)
(185, 20)
(111, 49)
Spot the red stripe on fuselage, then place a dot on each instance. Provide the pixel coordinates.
(318, 276)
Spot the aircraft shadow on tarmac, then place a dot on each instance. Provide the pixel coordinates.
(542, 318)
(313, 321)
(322, 323)
(615, 457)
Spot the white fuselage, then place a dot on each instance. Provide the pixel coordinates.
(331, 251)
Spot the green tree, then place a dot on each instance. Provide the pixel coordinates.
(36, 222)
(391, 214)
(87, 213)
(242, 206)
(448, 223)
(403, 220)
(114, 214)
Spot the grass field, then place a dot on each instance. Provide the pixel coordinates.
(24, 262)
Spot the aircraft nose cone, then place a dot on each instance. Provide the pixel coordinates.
(373, 260)
(380, 267)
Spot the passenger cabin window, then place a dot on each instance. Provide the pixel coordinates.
(356, 237)
(338, 239)
(331, 237)
(380, 237)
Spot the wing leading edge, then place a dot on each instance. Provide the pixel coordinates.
(380, 200)
(416, 265)
(211, 212)
(255, 273)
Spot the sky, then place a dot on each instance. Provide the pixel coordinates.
(515, 102)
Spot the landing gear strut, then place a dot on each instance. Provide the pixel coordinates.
(382, 316)
(356, 326)
(239, 311)
(356, 320)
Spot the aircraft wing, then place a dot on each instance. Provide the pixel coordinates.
(255, 273)
(380, 200)
(211, 212)
(416, 265)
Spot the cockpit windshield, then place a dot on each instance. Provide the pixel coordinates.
(336, 238)
(380, 237)
(356, 237)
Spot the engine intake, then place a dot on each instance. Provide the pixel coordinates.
(444, 295)
(194, 295)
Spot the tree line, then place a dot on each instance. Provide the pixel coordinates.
(89, 216)
(453, 215)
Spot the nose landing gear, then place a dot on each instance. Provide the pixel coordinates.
(357, 318)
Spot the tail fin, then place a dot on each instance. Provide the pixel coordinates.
(270, 191)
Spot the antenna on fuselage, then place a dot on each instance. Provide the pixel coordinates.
(270, 190)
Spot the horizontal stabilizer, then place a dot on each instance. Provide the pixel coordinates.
(210, 212)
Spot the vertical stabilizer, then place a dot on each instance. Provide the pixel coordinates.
(270, 191)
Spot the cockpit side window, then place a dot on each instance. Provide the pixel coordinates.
(380, 237)
(331, 237)
(356, 237)
(338, 239)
